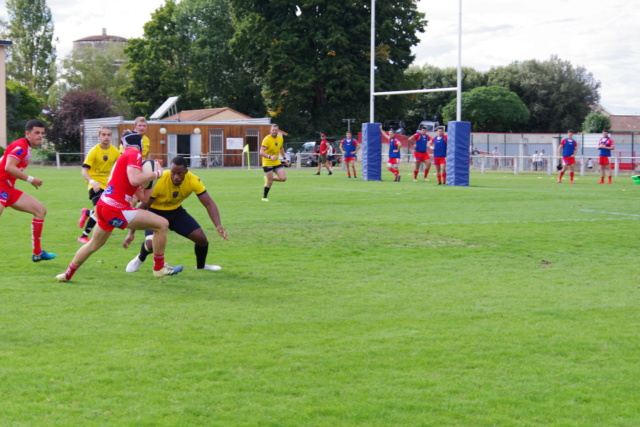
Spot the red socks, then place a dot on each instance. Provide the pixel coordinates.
(36, 234)
(71, 270)
(158, 262)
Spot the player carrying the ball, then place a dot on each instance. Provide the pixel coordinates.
(114, 210)
(15, 160)
(172, 188)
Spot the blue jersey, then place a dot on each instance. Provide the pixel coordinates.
(349, 147)
(393, 146)
(603, 151)
(440, 146)
(421, 142)
(569, 147)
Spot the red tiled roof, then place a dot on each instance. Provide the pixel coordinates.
(625, 123)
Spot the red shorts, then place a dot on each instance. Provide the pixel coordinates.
(349, 159)
(604, 161)
(421, 157)
(8, 195)
(439, 160)
(569, 160)
(393, 161)
(110, 218)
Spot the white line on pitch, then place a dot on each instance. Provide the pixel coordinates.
(528, 222)
(609, 213)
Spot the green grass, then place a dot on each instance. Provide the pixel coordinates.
(510, 302)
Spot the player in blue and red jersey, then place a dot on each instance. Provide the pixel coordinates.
(420, 142)
(394, 153)
(114, 210)
(349, 147)
(605, 145)
(439, 144)
(15, 160)
(568, 149)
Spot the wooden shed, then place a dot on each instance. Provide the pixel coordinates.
(207, 143)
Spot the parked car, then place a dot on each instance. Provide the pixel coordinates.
(291, 155)
(430, 125)
(397, 126)
(309, 157)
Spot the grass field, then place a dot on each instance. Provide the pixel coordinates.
(510, 302)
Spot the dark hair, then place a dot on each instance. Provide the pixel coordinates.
(179, 161)
(570, 130)
(33, 124)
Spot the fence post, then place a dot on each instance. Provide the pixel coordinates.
(582, 165)
(617, 160)
(515, 165)
(57, 160)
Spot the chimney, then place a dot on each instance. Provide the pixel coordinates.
(104, 31)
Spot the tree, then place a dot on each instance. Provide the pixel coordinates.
(22, 106)
(312, 57)
(557, 94)
(32, 57)
(101, 70)
(218, 77)
(158, 64)
(596, 122)
(67, 118)
(490, 109)
(429, 105)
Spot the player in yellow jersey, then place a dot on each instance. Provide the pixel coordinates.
(95, 170)
(140, 126)
(271, 149)
(172, 188)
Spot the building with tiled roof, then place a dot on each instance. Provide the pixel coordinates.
(208, 115)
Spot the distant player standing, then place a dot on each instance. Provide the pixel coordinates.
(323, 159)
(605, 145)
(95, 170)
(114, 210)
(568, 149)
(15, 160)
(272, 146)
(419, 143)
(439, 145)
(172, 188)
(349, 148)
(395, 147)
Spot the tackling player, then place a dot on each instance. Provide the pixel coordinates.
(605, 145)
(95, 170)
(568, 149)
(173, 187)
(439, 147)
(349, 148)
(419, 143)
(15, 160)
(272, 146)
(114, 210)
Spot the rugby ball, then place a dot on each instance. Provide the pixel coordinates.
(149, 166)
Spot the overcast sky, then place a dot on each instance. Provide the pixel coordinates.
(602, 36)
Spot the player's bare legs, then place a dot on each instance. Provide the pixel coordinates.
(29, 204)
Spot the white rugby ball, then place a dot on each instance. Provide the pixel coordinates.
(149, 166)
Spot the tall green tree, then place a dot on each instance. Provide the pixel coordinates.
(101, 70)
(429, 106)
(557, 94)
(22, 106)
(218, 77)
(31, 60)
(159, 65)
(312, 57)
(490, 109)
(596, 122)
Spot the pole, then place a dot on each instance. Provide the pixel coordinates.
(459, 100)
(373, 61)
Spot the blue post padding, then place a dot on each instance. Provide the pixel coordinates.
(458, 153)
(371, 152)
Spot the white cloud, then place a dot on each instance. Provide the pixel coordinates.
(599, 36)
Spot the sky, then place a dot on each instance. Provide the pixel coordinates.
(601, 36)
